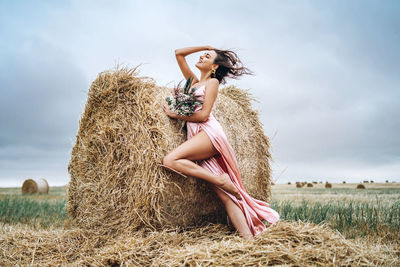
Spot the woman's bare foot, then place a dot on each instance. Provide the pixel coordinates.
(247, 236)
(227, 185)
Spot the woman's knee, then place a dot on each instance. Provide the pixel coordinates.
(168, 161)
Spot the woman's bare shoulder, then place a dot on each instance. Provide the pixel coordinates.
(213, 82)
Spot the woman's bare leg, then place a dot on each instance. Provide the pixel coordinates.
(198, 147)
(235, 214)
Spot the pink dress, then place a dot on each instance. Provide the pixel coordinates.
(254, 210)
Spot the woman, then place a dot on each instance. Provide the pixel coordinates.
(207, 153)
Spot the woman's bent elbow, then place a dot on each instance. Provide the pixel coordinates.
(204, 118)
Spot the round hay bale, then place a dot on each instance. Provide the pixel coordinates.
(360, 186)
(118, 183)
(31, 186)
(299, 185)
(310, 185)
(344, 182)
(289, 183)
(328, 185)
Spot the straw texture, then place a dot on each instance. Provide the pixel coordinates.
(289, 244)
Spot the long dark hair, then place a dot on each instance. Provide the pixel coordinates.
(229, 65)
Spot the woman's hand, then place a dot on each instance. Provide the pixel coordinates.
(169, 112)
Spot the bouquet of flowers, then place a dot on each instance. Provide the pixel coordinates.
(184, 103)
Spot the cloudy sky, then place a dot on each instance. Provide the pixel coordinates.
(326, 76)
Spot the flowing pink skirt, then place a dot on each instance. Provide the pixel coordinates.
(254, 210)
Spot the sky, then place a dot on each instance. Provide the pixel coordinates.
(326, 77)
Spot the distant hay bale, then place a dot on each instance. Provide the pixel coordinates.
(387, 181)
(371, 181)
(344, 182)
(309, 185)
(289, 183)
(360, 186)
(315, 182)
(299, 185)
(118, 183)
(31, 186)
(328, 185)
(365, 182)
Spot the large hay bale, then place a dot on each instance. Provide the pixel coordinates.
(117, 181)
(328, 185)
(31, 186)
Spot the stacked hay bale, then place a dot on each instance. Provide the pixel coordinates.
(31, 186)
(117, 181)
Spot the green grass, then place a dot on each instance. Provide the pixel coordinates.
(42, 214)
(348, 217)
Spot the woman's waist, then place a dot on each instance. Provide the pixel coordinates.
(210, 118)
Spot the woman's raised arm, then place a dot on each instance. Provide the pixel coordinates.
(180, 57)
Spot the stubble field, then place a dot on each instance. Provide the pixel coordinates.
(370, 216)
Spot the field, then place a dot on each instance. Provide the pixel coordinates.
(368, 216)
(373, 212)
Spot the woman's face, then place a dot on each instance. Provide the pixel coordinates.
(206, 60)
